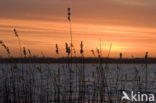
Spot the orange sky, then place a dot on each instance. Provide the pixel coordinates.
(128, 24)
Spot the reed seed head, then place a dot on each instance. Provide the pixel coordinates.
(81, 50)
(93, 52)
(15, 32)
(24, 51)
(57, 51)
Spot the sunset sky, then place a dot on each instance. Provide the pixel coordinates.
(130, 25)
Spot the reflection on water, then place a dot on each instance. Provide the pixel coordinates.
(79, 83)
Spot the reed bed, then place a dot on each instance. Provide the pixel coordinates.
(71, 82)
(52, 83)
(76, 83)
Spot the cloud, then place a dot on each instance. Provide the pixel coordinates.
(113, 12)
(41, 21)
(137, 2)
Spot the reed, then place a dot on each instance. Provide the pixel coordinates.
(67, 49)
(29, 51)
(43, 83)
(146, 72)
(19, 41)
(24, 52)
(93, 52)
(57, 50)
(5, 47)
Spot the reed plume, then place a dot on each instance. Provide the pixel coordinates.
(29, 52)
(120, 55)
(5, 47)
(57, 50)
(146, 56)
(69, 14)
(98, 52)
(81, 46)
(16, 34)
(71, 37)
(24, 51)
(93, 52)
(19, 41)
(8, 51)
(67, 49)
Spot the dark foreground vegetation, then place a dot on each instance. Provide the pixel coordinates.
(77, 60)
(70, 79)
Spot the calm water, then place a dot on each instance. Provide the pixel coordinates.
(76, 83)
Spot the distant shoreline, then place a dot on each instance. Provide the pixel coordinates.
(79, 60)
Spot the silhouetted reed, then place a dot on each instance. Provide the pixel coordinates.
(57, 51)
(19, 41)
(93, 52)
(5, 47)
(24, 51)
(29, 52)
(57, 83)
